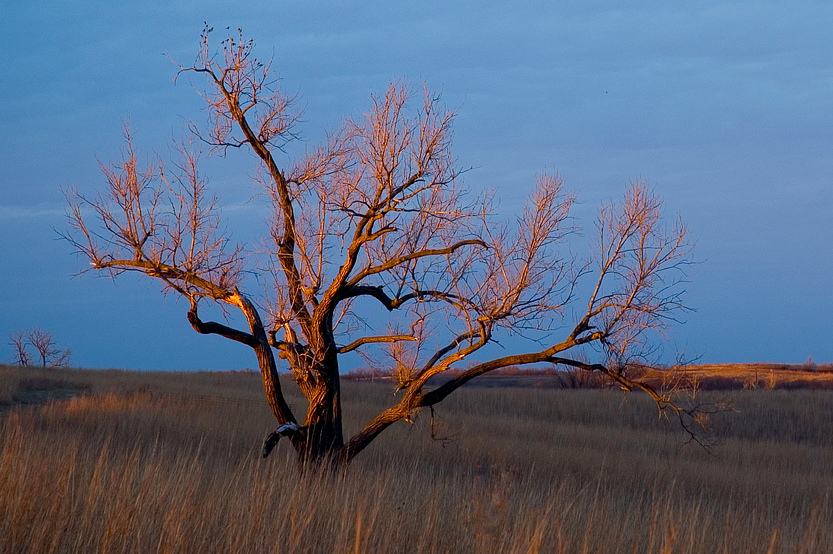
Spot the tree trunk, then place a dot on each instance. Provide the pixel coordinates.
(321, 437)
(324, 435)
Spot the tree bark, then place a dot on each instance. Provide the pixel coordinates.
(323, 423)
(265, 361)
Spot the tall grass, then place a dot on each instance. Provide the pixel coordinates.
(9, 385)
(170, 462)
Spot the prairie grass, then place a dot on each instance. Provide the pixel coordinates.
(169, 462)
(9, 385)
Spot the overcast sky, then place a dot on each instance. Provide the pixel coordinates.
(725, 108)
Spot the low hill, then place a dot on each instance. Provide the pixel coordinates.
(702, 376)
(755, 375)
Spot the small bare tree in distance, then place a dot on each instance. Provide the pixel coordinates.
(44, 345)
(47, 349)
(17, 340)
(378, 219)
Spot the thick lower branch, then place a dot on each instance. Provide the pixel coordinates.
(363, 438)
(213, 328)
(266, 362)
(440, 393)
(290, 429)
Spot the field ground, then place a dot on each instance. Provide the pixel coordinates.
(700, 377)
(95, 461)
(781, 376)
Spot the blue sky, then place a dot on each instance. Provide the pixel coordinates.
(726, 108)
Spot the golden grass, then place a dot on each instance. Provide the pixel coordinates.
(733, 376)
(148, 462)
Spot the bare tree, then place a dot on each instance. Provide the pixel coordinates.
(22, 356)
(45, 347)
(377, 221)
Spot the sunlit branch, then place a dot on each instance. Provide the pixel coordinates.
(390, 264)
(368, 340)
(479, 333)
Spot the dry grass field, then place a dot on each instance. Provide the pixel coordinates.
(773, 376)
(111, 461)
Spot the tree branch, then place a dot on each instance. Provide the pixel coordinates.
(451, 346)
(390, 264)
(367, 340)
(391, 304)
(166, 272)
(212, 328)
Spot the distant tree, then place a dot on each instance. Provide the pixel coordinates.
(378, 218)
(49, 353)
(18, 341)
(45, 347)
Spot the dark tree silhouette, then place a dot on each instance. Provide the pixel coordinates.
(45, 347)
(22, 356)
